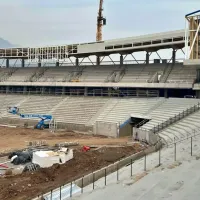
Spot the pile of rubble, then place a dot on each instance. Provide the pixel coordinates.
(38, 155)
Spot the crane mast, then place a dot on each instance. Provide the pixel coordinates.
(101, 21)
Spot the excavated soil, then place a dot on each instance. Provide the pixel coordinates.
(18, 138)
(28, 185)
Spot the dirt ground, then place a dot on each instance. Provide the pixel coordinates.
(28, 185)
(18, 138)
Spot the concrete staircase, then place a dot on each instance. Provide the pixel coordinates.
(166, 73)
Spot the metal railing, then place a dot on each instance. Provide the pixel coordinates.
(176, 118)
(81, 92)
(70, 190)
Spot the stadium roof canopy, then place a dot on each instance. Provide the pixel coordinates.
(149, 43)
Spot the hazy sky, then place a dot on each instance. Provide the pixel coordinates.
(45, 22)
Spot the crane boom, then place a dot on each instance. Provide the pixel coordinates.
(100, 22)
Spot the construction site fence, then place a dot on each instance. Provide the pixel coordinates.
(88, 183)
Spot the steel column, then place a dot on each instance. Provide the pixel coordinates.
(7, 63)
(57, 64)
(121, 60)
(147, 57)
(98, 60)
(77, 62)
(23, 63)
(174, 56)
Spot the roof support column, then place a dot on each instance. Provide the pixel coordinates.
(166, 93)
(121, 60)
(147, 57)
(23, 62)
(39, 62)
(198, 76)
(77, 62)
(98, 60)
(86, 91)
(57, 63)
(7, 63)
(174, 56)
(24, 89)
(198, 94)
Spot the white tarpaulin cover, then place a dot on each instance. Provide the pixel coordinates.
(48, 158)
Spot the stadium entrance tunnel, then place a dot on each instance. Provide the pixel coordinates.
(134, 122)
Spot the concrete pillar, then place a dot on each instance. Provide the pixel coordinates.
(7, 89)
(39, 64)
(198, 94)
(25, 90)
(57, 64)
(98, 60)
(174, 56)
(121, 60)
(198, 76)
(63, 90)
(86, 91)
(23, 63)
(42, 90)
(77, 62)
(147, 58)
(7, 63)
(166, 93)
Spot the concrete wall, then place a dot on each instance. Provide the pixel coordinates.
(66, 126)
(126, 130)
(145, 135)
(106, 128)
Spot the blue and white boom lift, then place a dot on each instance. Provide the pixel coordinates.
(45, 122)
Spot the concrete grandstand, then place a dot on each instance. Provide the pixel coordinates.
(151, 103)
(142, 95)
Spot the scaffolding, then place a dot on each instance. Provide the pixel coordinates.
(192, 36)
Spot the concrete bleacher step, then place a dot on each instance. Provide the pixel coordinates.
(102, 110)
(58, 105)
(167, 110)
(183, 128)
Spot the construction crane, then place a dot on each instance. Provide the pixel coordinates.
(101, 21)
(43, 123)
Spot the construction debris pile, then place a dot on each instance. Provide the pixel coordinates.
(38, 155)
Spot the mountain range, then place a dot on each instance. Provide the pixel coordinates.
(5, 44)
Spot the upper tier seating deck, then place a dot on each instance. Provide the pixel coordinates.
(182, 74)
(101, 74)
